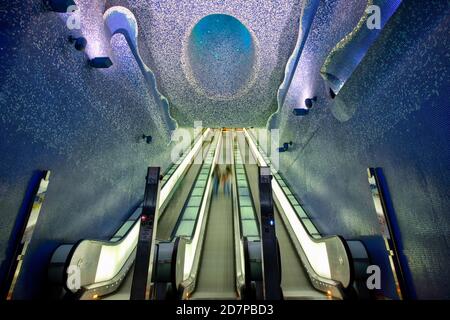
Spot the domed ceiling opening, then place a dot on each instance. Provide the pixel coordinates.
(220, 55)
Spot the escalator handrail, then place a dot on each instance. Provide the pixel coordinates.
(238, 237)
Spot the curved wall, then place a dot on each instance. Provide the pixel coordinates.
(83, 124)
(391, 113)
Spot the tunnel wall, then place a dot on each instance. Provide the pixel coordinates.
(81, 123)
(392, 113)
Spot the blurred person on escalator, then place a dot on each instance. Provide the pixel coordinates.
(227, 180)
(217, 177)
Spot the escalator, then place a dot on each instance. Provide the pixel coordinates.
(182, 212)
(295, 282)
(106, 267)
(298, 237)
(169, 216)
(178, 246)
(247, 234)
(208, 244)
(216, 277)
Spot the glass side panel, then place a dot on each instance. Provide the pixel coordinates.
(185, 228)
(243, 183)
(300, 212)
(309, 226)
(292, 199)
(240, 174)
(281, 183)
(243, 191)
(247, 213)
(124, 229)
(190, 213)
(194, 201)
(245, 201)
(286, 190)
(295, 203)
(198, 191)
(200, 183)
(249, 228)
(136, 214)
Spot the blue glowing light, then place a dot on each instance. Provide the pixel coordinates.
(221, 54)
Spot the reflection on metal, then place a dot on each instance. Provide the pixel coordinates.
(27, 233)
(269, 246)
(380, 194)
(143, 265)
(254, 289)
(164, 275)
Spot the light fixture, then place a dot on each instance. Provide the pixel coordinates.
(310, 102)
(59, 5)
(300, 112)
(80, 43)
(285, 146)
(332, 94)
(147, 139)
(101, 63)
